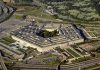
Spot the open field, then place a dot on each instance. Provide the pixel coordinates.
(37, 12)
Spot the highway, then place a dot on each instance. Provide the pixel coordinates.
(81, 65)
(2, 63)
(75, 66)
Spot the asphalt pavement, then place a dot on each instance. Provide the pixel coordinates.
(75, 66)
(11, 25)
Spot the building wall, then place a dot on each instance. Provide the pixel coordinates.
(9, 1)
(76, 41)
(63, 45)
(41, 49)
(27, 44)
(6, 0)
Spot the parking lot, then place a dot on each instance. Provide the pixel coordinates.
(5, 11)
(10, 25)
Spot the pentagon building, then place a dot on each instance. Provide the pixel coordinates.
(47, 36)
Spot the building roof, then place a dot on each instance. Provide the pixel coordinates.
(28, 33)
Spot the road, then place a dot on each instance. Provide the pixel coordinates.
(81, 65)
(5, 11)
(75, 66)
(2, 63)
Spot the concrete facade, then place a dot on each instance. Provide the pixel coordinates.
(43, 49)
(29, 36)
(9, 1)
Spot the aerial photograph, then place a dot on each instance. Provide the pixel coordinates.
(49, 34)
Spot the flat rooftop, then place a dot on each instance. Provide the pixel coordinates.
(28, 33)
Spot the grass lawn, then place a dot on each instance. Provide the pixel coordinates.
(37, 12)
(83, 53)
(18, 17)
(54, 62)
(70, 56)
(73, 53)
(82, 59)
(7, 40)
